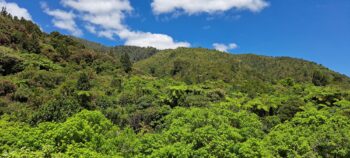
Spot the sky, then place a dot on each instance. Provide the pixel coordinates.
(315, 30)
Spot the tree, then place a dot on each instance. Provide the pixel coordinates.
(17, 37)
(4, 39)
(312, 133)
(319, 79)
(56, 110)
(7, 87)
(116, 83)
(10, 64)
(83, 83)
(32, 45)
(179, 65)
(4, 11)
(126, 63)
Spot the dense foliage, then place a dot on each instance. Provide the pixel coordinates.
(198, 65)
(65, 99)
(135, 53)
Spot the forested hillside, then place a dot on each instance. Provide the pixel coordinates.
(62, 97)
(198, 65)
(135, 53)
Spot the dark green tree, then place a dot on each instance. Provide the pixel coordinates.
(179, 65)
(83, 83)
(32, 45)
(17, 37)
(56, 110)
(63, 51)
(126, 63)
(7, 87)
(10, 65)
(4, 11)
(116, 83)
(4, 39)
(319, 79)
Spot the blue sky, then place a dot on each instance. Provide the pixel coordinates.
(316, 30)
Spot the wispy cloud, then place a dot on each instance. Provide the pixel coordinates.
(91, 29)
(63, 20)
(145, 39)
(225, 47)
(105, 18)
(206, 6)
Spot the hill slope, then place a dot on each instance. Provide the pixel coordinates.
(135, 53)
(198, 65)
(60, 97)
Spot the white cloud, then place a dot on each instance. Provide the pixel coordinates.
(107, 13)
(15, 10)
(145, 39)
(106, 33)
(98, 7)
(63, 20)
(224, 47)
(90, 28)
(105, 19)
(206, 6)
(108, 21)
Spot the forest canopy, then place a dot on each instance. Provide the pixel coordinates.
(66, 97)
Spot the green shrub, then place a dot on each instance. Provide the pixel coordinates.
(21, 95)
(41, 78)
(39, 62)
(84, 83)
(320, 79)
(56, 110)
(7, 87)
(10, 64)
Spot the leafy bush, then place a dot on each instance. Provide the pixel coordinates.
(56, 110)
(84, 83)
(42, 78)
(7, 87)
(22, 94)
(10, 64)
(320, 79)
(39, 62)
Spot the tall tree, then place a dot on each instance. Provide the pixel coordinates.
(319, 79)
(126, 63)
(4, 11)
(84, 82)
